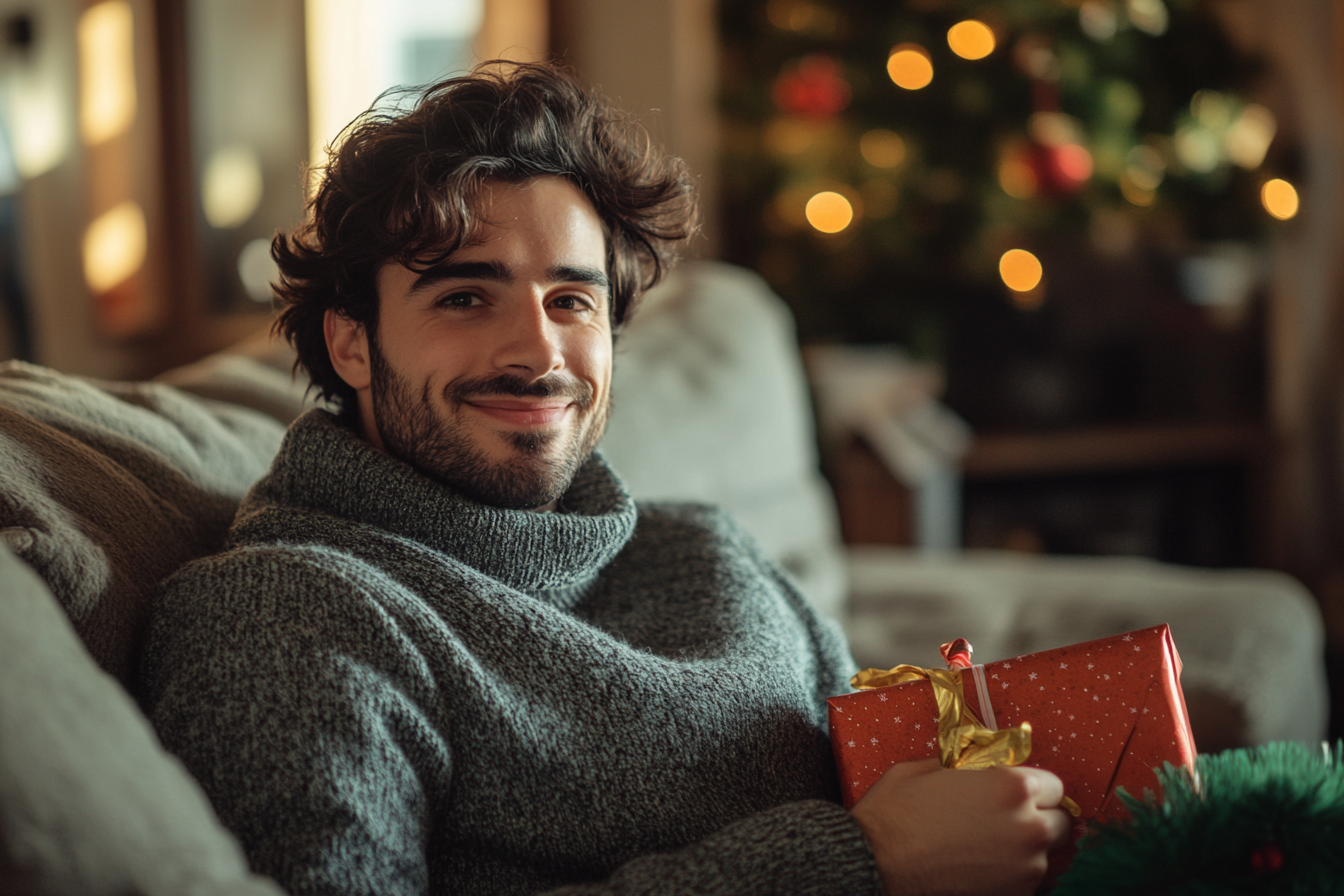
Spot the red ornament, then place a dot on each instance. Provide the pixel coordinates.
(813, 87)
(1060, 170)
(1267, 859)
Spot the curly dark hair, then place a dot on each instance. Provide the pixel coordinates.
(406, 186)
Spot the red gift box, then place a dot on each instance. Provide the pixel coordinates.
(1103, 715)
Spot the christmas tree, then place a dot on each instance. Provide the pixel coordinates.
(886, 163)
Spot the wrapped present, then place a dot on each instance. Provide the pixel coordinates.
(1101, 715)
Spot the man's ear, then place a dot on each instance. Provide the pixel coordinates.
(348, 346)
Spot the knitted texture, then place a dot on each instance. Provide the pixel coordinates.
(388, 689)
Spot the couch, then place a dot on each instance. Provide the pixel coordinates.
(106, 487)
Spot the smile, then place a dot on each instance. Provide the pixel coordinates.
(522, 413)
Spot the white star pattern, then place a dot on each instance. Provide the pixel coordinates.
(1096, 697)
(1071, 717)
(1063, 665)
(851, 743)
(898, 720)
(1005, 685)
(1007, 665)
(1073, 734)
(882, 697)
(873, 741)
(1134, 709)
(1137, 648)
(1054, 749)
(1090, 665)
(929, 744)
(995, 675)
(1107, 677)
(1127, 638)
(1042, 687)
(1032, 676)
(916, 725)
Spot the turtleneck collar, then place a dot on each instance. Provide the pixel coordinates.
(325, 467)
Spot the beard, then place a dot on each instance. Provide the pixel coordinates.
(439, 444)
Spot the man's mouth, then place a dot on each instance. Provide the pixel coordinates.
(521, 412)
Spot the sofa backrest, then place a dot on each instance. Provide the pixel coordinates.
(105, 488)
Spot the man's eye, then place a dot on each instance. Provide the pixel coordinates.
(572, 303)
(459, 300)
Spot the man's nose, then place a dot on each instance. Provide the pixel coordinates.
(529, 341)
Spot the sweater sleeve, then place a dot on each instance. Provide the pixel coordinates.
(809, 847)
(296, 709)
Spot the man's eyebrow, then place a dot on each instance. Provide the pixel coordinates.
(498, 272)
(463, 270)
(577, 274)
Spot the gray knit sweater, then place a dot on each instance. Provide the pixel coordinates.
(387, 689)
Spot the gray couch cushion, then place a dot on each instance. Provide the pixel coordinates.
(90, 804)
(105, 488)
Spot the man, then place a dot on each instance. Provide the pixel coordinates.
(444, 650)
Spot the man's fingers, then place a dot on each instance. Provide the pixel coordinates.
(1049, 789)
(1060, 825)
(904, 770)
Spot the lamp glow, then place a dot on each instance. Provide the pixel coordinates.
(114, 247)
(106, 71)
(231, 187)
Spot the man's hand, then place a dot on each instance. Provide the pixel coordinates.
(938, 832)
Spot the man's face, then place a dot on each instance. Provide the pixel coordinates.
(492, 371)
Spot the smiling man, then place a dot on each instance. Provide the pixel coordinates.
(496, 375)
(444, 651)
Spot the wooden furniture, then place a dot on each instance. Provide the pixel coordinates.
(877, 509)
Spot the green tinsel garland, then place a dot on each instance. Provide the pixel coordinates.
(1265, 820)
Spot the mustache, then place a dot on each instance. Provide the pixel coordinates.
(551, 386)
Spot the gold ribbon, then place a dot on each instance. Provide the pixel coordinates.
(963, 740)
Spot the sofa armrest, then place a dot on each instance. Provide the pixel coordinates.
(1250, 638)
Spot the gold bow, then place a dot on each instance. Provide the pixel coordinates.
(963, 740)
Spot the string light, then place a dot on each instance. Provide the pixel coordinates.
(829, 212)
(971, 39)
(910, 66)
(1279, 198)
(1021, 271)
(882, 148)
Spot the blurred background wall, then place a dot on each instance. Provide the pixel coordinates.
(151, 148)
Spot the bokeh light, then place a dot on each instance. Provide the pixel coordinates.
(971, 39)
(106, 71)
(882, 148)
(910, 66)
(1074, 162)
(1249, 138)
(114, 247)
(231, 186)
(38, 125)
(1136, 193)
(1016, 176)
(1279, 198)
(1021, 271)
(257, 269)
(829, 212)
(1098, 20)
(1148, 15)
